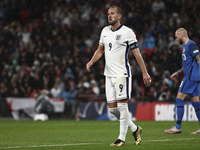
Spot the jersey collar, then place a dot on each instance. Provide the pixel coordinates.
(117, 28)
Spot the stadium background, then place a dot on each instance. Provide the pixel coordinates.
(45, 44)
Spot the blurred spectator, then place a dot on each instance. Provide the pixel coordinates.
(81, 96)
(83, 82)
(94, 87)
(37, 82)
(153, 68)
(175, 20)
(166, 78)
(162, 42)
(16, 93)
(71, 94)
(61, 84)
(4, 91)
(55, 90)
(175, 87)
(35, 93)
(149, 44)
(67, 18)
(70, 101)
(158, 5)
(152, 94)
(35, 67)
(163, 96)
(102, 86)
(136, 77)
(63, 94)
(162, 92)
(15, 65)
(24, 70)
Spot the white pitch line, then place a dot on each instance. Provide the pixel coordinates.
(170, 140)
(58, 145)
(47, 145)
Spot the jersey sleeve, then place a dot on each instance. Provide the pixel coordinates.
(132, 41)
(101, 38)
(193, 49)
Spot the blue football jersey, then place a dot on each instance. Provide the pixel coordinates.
(191, 66)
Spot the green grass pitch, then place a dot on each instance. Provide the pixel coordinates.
(92, 135)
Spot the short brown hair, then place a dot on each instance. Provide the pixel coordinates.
(119, 10)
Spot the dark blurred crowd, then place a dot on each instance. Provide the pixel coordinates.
(45, 44)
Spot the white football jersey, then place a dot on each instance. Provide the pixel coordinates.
(117, 44)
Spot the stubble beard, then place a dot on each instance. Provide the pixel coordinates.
(181, 42)
(112, 22)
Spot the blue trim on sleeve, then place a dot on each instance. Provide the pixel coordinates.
(127, 88)
(126, 60)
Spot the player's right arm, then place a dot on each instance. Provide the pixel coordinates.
(97, 55)
(175, 74)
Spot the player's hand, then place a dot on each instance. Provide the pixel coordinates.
(88, 65)
(147, 80)
(174, 75)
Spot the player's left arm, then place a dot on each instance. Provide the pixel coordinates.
(198, 58)
(140, 61)
(132, 42)
(194, 51)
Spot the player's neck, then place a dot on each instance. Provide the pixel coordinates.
(186, 41)
(115, 26)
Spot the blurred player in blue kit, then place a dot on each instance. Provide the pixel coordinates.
(190, 85)
(115, 42)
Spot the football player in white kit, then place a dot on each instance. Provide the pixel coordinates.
(115, 42)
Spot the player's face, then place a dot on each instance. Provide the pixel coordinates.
(179, 37)
(113, 17)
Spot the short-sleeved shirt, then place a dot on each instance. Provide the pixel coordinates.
(117, 44)
(191, 66)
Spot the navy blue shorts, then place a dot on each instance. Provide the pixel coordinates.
(192, 88)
